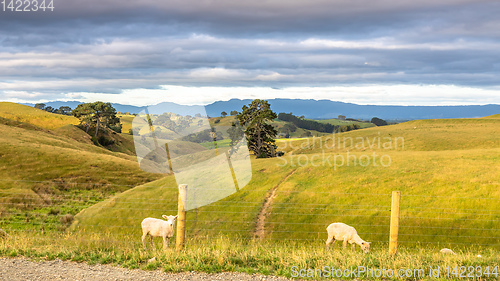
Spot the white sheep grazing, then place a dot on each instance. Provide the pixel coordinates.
(343, 232)
(447, 251)
(158, 228)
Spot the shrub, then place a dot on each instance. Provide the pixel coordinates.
(54, 212)
(67, 219)
(105, 141)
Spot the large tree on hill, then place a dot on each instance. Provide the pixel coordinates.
(260, 135)
(98, 114)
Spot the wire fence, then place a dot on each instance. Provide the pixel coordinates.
(472, 221)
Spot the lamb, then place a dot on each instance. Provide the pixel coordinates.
(447, 251)
(346, 233)
(158, 228)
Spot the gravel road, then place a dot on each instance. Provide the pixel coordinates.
(24, 269)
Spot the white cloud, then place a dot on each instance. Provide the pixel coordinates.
(368, 94)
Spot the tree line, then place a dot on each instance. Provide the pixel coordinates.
(64, 110)
(305, 123)
(314, 125)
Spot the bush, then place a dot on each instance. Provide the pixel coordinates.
(54, 212)
(117, 128)
(378, 121)
(105, 141)
(67, 219)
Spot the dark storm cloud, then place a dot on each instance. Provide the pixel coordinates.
(270, 17)
(108, 46)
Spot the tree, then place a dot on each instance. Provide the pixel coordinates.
(378, 121)
(233, 113)
(259, 133)
(64, 110)
(306, 124)
(97, 114)
(235, 133)
(50, 109)
(40, 106)
(288, 128)
(223, 114)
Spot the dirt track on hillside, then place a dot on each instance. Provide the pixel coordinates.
(264, 212)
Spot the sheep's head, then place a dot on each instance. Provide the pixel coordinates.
(170, 219)
(365, 246)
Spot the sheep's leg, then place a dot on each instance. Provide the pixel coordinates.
(344, 244)
(165, 242)
(151, 240)
(330, 241)
(353, 246)
(144, 234)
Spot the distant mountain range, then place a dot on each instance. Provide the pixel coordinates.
(323, 109)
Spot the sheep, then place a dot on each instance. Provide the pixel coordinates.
(158, 228)
(346, 233)
(447, 251)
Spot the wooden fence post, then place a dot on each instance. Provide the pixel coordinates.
(181, 219)
(393, 239)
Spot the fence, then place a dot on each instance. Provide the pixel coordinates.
(472, 220)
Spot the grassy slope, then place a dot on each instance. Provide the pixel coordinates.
(495, 116)
(126, 121)
(37, 117)
(299, 132)
(335, 121)
(447, 172)
(43, 168)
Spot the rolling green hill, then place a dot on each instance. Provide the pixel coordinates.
(496, 116)
(339, 122)
(446, 170)
(57, 168)
(126, 121)
(37, 117)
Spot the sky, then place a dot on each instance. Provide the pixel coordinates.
(143, 52)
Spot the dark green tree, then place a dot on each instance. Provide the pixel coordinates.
(260, 134)
(223, 114)
(307, 124)
(233, 113)
(64, 110)
(98, 114)
(378, 121)
(40, 106)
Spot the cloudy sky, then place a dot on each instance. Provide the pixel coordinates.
(143, 52)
